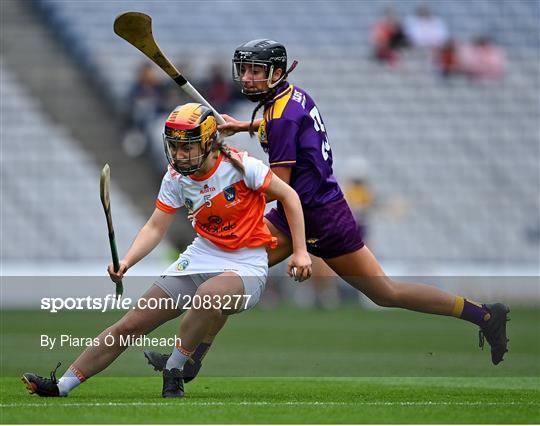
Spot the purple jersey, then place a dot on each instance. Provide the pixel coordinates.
(293, 134)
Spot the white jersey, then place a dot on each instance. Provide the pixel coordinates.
(228, 209)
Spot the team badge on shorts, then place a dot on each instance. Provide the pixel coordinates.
(188, 203)
(312, 242)
(182, 265)
(229, 193)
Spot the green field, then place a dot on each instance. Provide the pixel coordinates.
(289, 400)
(290, 366)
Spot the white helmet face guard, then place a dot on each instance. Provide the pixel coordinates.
(240, 64)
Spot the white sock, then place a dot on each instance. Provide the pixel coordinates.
(178, 358)
(70, 380)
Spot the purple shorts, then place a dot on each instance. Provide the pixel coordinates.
(331, 230)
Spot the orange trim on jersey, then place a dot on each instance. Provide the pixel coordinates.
(210, 172)
(165, 208)
(266, 182)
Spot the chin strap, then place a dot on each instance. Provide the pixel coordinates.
(283, 77)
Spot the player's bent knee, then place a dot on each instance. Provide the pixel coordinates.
(129, 326)
(383, 302)
(205, 298)
(386, 295)
(210, 313)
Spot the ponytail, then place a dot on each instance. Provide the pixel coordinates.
(267, 98)
(226, 151)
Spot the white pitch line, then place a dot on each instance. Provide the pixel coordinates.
(266, 403)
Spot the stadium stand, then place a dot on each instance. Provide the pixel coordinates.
(50, 190)
(462, 159)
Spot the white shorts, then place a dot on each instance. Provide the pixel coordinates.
(183, 288)
(203, 257)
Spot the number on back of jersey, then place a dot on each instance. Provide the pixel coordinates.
(319, 127)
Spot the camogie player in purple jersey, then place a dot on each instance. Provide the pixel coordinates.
(293, 134)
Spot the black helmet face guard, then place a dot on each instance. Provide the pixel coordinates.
(187, 155)
(259, 53)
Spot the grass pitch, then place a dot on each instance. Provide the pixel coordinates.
(319, 368)
(287, 400)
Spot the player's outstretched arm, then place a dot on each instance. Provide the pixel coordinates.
(233, 125)
(300, 264)
(146, 240)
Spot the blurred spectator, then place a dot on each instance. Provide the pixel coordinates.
(361, 199)
(424, 30)
(144, 105)
(447, 59)
(388, 37)
(145, 96)
(219, 90)
(483, 60)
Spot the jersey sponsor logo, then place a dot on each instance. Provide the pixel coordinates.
(234, 203)
(215, 226)
(182, 265)
(229, 193)
(188, 203)
(206, 189)
(215, 219)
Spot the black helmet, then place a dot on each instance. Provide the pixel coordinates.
(268, 53)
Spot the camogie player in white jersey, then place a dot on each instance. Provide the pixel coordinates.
(223, 271)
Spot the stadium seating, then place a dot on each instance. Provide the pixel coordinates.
(460, 159)
(50, 191)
